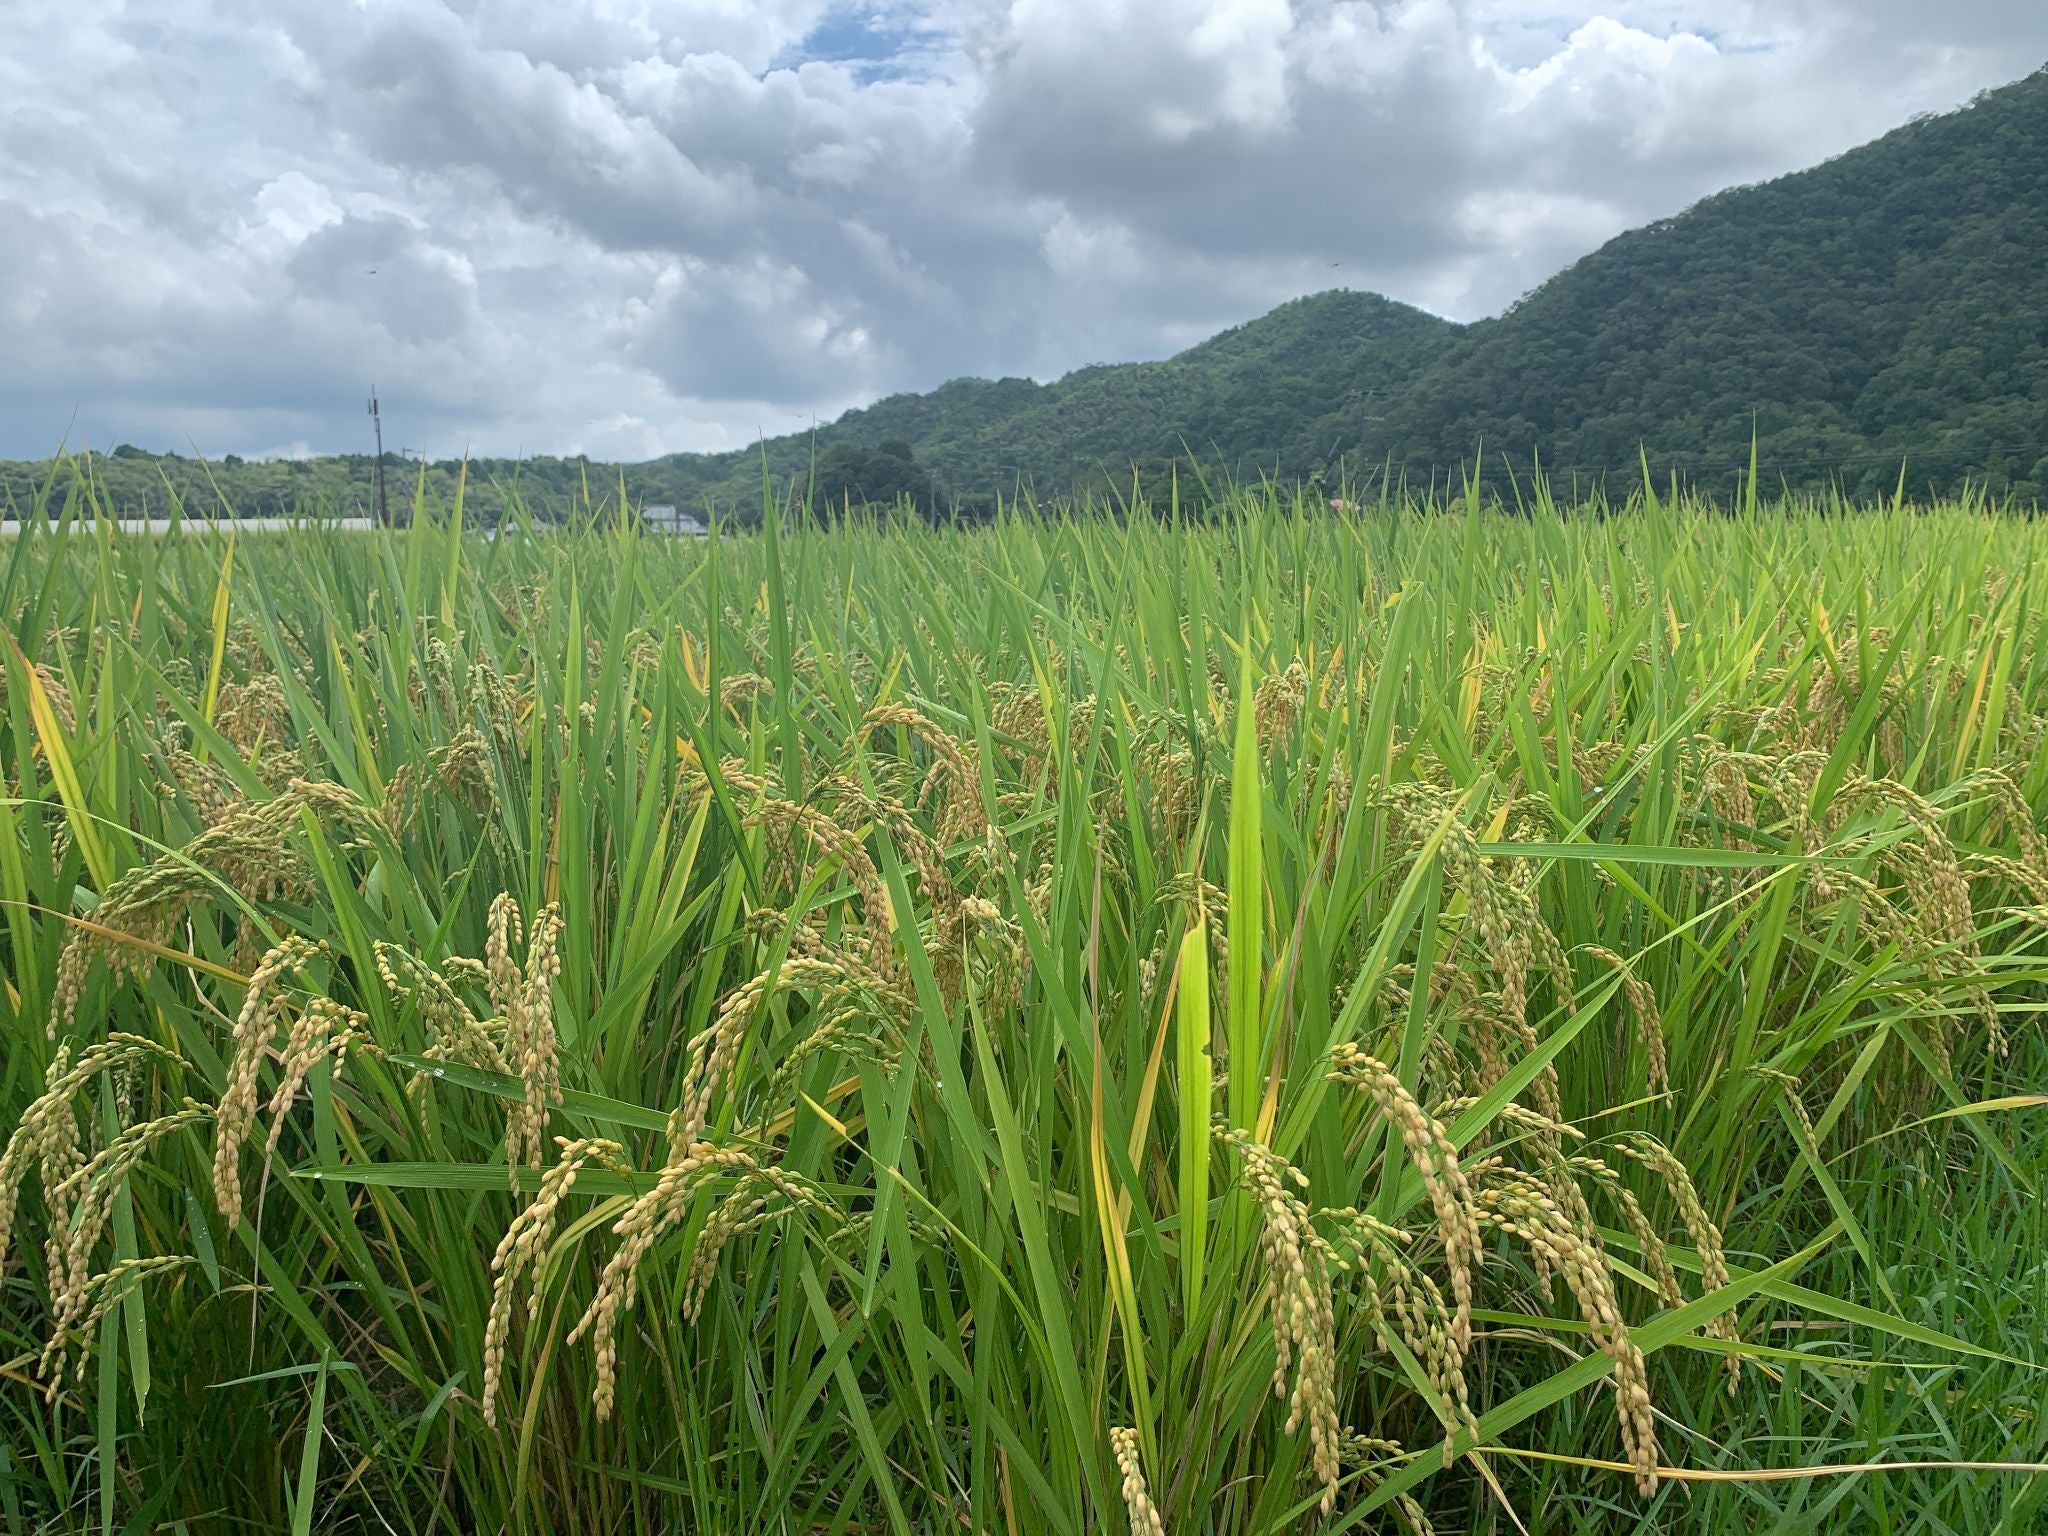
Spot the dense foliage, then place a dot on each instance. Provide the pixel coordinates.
(849, 476)
(1887, 309)
(875, 1028)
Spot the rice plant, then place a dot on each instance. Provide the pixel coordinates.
(1112, 1018)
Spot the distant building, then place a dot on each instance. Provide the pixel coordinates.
(663, 518)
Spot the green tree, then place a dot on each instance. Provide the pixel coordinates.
(850, 476)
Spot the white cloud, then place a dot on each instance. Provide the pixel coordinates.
(634, 226)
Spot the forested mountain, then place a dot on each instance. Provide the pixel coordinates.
(1249, 400)
(1889, 305)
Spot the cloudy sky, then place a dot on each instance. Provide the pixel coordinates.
(629, 227)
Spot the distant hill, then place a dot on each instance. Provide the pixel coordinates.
(1247, 400)
(1890, 304)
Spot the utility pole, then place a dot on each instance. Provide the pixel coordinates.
(383, 502)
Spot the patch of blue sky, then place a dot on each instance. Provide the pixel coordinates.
(1723, 43)
(875, 44)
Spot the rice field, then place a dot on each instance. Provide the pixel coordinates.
(1427, 1018)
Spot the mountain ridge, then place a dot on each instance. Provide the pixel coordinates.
(1888, 305)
